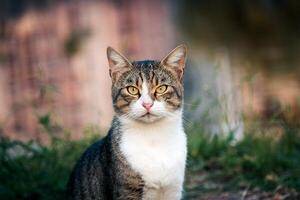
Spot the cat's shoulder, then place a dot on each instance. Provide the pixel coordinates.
(93, 153)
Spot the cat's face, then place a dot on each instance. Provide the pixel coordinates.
(147, 91)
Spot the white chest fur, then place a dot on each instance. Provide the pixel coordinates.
(157, 151)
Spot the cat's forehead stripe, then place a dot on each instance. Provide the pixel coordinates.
(146, 69)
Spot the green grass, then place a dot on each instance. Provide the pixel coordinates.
(215, 163)
(257, 161)
(37, 171)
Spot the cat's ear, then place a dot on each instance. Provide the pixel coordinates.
(175, 61)
(118, 64)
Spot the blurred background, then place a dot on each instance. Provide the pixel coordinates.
(243, 67)
(53, 61)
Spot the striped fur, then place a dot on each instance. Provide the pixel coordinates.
(117, 167)
(155, 75)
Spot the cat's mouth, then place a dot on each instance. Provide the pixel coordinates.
(149, 117)
(148, 114)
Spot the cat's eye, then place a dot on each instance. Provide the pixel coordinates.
(132, 90)
(161, 89)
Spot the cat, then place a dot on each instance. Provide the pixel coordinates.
(143, 155)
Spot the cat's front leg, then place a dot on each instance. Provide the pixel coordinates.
(129, 191)
(128, 195)
(172, 192)
(152, 192)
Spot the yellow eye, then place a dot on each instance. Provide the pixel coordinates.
(132, 90)
(161, 89)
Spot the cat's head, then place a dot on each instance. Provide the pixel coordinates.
(149, 90)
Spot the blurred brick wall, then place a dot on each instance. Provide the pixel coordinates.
(39, 76)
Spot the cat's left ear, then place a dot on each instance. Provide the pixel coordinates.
(175, 61)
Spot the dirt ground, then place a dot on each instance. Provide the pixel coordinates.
(199, 186)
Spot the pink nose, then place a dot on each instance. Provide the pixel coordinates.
(147, 105)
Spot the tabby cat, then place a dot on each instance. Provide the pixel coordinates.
(144, 154)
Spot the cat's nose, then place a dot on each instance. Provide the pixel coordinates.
(147, 105)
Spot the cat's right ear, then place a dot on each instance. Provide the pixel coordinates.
(118, 64)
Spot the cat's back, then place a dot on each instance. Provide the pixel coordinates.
(89, 177)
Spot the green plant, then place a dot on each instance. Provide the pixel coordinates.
(258, 160)
(33, 171)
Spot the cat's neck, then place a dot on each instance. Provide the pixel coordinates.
(165, 125)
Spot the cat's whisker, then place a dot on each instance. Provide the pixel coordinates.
(187, 124)
(189, 104)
